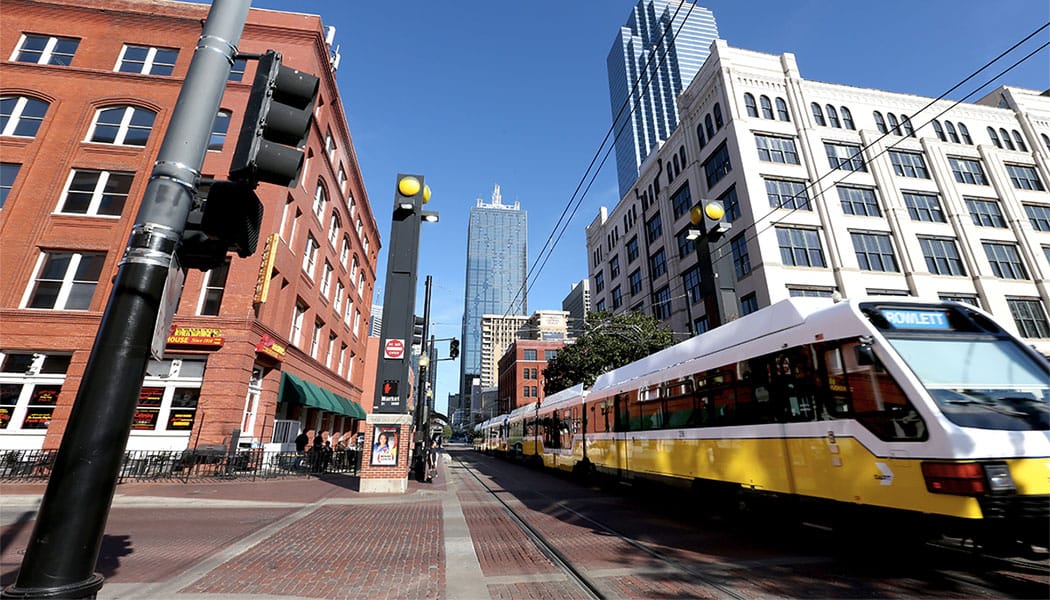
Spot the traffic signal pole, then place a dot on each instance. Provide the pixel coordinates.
(422, 424)
(60, 558)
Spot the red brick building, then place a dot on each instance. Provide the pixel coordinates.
(521, 372)
(266, 345)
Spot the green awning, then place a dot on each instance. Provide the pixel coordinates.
(298, 391)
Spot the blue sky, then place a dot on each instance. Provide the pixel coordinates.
(472, 93)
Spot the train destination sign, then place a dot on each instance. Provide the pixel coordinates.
(917, 319)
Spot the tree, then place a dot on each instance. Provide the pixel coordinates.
(608, 341)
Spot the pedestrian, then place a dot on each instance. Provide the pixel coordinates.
(326, 456)
(317, 452)
(432, 461)
(300, 448)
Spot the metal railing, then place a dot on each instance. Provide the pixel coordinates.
(193, 464)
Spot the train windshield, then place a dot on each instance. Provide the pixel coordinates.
(987, 383)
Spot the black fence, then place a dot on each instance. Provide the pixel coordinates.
(193, 464)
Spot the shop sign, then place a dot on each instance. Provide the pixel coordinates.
(269, 257)
(201, 337)
(181, 420)
(37, 418)
(271, 347)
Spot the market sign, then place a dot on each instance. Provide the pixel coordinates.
(269, 257)
(271, 347)
(196, 337)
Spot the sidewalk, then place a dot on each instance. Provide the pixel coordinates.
(305, 538)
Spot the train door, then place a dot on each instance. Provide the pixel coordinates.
(621, 432)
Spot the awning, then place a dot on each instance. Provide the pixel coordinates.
(298, 391)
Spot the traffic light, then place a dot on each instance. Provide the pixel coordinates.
(710, 217)
(276, 124)
(417, 331)
(228, 220)
(453, 348)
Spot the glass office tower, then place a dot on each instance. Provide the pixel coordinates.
(655, 56)
(497, 257)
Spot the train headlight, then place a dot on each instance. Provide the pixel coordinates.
(999, 479)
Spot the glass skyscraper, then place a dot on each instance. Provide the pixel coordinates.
(497, 257)
(655, 56)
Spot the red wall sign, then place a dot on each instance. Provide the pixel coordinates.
(394, 349)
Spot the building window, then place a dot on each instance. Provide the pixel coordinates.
(1024, 177)
(691, 282)
(65, 280)
(333, 229)
(8, 174)
(709, 126)
(810, 292)
(776, 149)
(784, 193)
(951, 132)
(297, 323)
(681, 201)
(634, 280)
(1038, 216)
(320, 201)
(717, 166)
(985, 213)
(122, 126)
(874, 251)
(967, 170)
(45, 50)
(970, 299)
(909, 164)
(767, 107)
(731, 204)
(818, 114)
(906, 124)
(847, 118)
(315, 338)
(994, 137)
(701, 139)
(214, 287)
(685, 245)
(1018, 139)
(800, 247)
(21, 116)
(858, 201)
(1030, 317)
(147, 60)
(895, 126)
(95, 193)
(880, 122)
(632, 249)
(662, 303)
(310, 255)
(833, 116)
(599, 281)
(617, 297)
(326, 278)
(219, 127)
(528, 354)
(337, 299)
(749, 104)
(600, 306)
(782, 110)
(846, 157)
(741, 258)
(718, 116)
(614, 267)
(653, 229)
(237, 70)
(657, 264)
(1006, 139)
(1005, 260)
(30, 385)
(939, 130)
(924, 207)
(748, 304)
(329, 144)
(549, 355)
(942, 256)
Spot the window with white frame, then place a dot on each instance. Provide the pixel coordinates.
(147, 60)
(776, 149)
(21, 116)
(1024, 177)
(1005, 260)
(219, 127)
(361, 283)
(310, 255)
(942, 255)
(846, 157)
(985, 213)
(45, 50)
(800, 247)
(789, 194)
(315, 338)
(1038, 216)
(320, 201)
(121, 126)
(874, 251)
(858, 201)
(967, 170)
(357, 323)
(1030, 317)
(213, 289)
(329, 144)
(337, 300)
(923, 207)
(348, 313)
(350, 366)
(342, 358)
(169, 398)
(297, 323)
(30, 386)
(64, 280)
(8, 174)
(326, 278)
(333, 229)
(340, 179)
(331, 350)
(909, 164)
(344, 254)
(95, 193)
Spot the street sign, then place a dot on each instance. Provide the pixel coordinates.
(394, 349)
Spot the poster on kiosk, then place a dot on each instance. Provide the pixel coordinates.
(384, 445)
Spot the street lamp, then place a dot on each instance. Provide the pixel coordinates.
(716, 274)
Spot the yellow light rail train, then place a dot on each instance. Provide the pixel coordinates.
(927, 412)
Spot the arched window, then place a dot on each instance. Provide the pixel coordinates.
(939, 130)
(1019, 141)
(1006, 139)
(995, 138)
(21, 116)
(847, 118)
(818, 115)
(965, 133)
(894, 124)
(767, 107)
(906, 125)
(675, 168)
(320, 200)
(833, 116)
(948, 127)
(880, 122)
(344, 254)
(709, 126)
(749, 104)
(122, 126)
(700, 136)
(782, 110)
(1046, 140)
(218, 130)
(333, 229)
(718, 117)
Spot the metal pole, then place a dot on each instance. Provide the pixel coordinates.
(422, 416)
(64, 546)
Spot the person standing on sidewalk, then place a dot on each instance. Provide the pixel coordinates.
(300, 448)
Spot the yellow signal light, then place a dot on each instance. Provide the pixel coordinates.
(426, 194)
(409, 186)
(714, 210)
